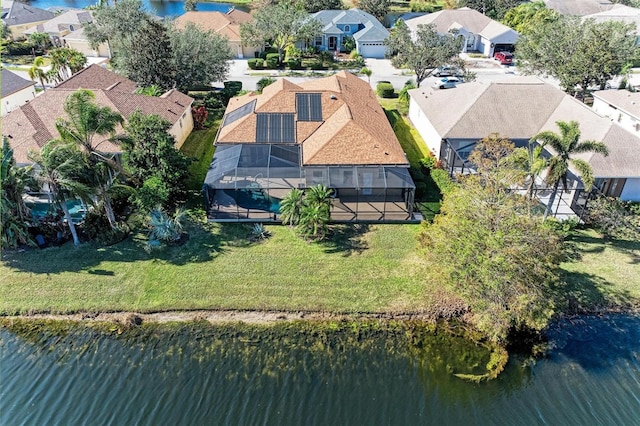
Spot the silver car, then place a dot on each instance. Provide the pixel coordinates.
(446, 83)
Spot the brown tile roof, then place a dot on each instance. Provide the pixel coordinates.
(226, 24)
(33, 125)
(354, 129)
(95, 77)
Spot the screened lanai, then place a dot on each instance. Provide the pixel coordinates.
(247, 182)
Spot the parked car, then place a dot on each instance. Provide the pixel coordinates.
(446, 83)
(447, 71)
(505, 58)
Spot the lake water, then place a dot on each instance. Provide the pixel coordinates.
(202, 376)
(159, 8)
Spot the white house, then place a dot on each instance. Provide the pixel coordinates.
(452, 121)
(16, 91)
(620, 106)
(480, 33)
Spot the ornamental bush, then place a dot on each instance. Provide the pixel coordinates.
(255, 63)
(385, 90)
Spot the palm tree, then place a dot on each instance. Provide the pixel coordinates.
(65, 62)
(566, 144)
(531, 161)
(36, 72)
(291, 207)
(13, 211)
(315, 214)
(60, 167)
(86, 120)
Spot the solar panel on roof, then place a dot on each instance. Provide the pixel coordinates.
(238, 113)
(309, 106)
(275, 128)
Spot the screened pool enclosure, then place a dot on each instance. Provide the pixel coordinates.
(246, 182)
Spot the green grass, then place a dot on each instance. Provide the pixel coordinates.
(22, 61)
(199, 146)
(603, 273)
(365, 269)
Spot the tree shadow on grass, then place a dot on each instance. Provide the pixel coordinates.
(346, 239)
(582, 242)
(206, 242)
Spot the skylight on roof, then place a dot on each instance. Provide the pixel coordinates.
(309, 106)
(238, 113)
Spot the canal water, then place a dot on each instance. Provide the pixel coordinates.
(198, 374)
(160, 8)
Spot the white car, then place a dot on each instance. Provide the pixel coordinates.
(446, 82)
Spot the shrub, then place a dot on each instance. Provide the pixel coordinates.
(265, 52)
(20, 48)
(154, 192)
(232, 88)
(200, 115)
(255, 63)
(315, 64)
(348, 44)
(385, 90)
(264, 82)
(442, 179)
(326, 56)
(273, 60)
(429, 162)
(421, 6)
(294, 64)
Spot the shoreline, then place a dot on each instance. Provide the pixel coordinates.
(225, 316)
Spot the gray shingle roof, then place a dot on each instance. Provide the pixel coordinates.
(75, 17)
(519, 108)
(19, 13)
(624, 100)
(12, 83)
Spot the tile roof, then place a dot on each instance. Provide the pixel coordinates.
(469, 19)
(75, 17)
(17, 13)
(354, 129)
(226, 24)
(521, 107)
(12, 83)
(33, 125)
(624, 100)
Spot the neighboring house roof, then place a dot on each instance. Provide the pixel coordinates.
(618, 13)
(350, 128)
(77, 35)
(331, 18)
(469, 19)
(13, 83)
(623, 100)
(578, 7)
(62, 22)
(33, 125)
(16, 13)
(95, 77)
(521, 107)
(226, 24)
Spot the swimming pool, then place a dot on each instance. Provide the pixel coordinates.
(40, 209)
(256, 199)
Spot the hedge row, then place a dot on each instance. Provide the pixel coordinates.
(442, 179)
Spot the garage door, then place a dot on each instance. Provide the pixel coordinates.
(372, 50)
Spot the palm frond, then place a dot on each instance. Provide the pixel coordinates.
(585, 171)
(592, 146)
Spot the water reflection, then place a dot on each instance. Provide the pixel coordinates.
(332, 374)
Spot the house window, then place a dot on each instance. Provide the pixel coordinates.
(318, 41)
(347, 28)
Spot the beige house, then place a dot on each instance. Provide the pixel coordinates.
(329, 131)
(78, 40)
(225, 24)
(16, 91)
(474, 110)
(19, 17)
(480, 33)
(32, 125)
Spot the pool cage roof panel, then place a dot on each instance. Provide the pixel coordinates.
(278, 166)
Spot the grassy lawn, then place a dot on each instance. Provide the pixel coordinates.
(199, 146)
(604, 273)
(365, 269)
(22, 60)
(428, 201)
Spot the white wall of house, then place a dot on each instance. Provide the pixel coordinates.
(17, 99)
(429, 134)
(182, 128)
(631, 190)
(624, 119)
